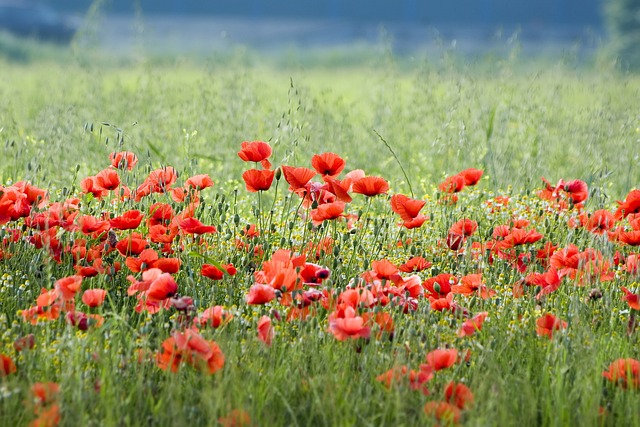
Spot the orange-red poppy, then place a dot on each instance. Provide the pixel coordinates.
(132, 245)
(214, 316)
(191, 348)
(67, 287)
(123, 160)
(471, 176)
(127, 221)
(214, 273)
(459, 395)
(339, 188)
(548, 324)
(414, 264)
(453, 184)
(260, 294)
(631, 238)
(107, 179)
(442, 358)
(265, 331)
(327, 211)
(297, 177)
(443, 411)
(624, 372)
(471, 326)
(632, 299)
(600, 221)
(89, 185)
(370, 186)
(7, 366)
(258, 180)
(256, 151)
(345, 324)
(199, 182)
(328, 164)
(194, 226)
(94, 297)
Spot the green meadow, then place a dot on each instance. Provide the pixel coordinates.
(414, 122)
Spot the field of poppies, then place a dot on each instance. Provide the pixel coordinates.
(243, 246)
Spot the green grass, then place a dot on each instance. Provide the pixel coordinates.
(59, 122)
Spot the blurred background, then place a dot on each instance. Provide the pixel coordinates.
(196, 27)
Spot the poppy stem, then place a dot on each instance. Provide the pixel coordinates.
(357, 240)
(393, 153)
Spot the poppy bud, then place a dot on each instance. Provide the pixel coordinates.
(436, 287)
(278, 174)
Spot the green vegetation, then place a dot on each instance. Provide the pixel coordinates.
(59, 123)
(624, 28)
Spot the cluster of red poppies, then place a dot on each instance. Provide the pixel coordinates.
(151, 247)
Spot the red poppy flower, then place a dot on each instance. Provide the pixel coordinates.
(213, 273)
(624, 372)
(600, 221)
(92, 225)
(632, 299)
(162, 179)
(415, 264)
(67, 287)
(384, 269)
(576, 189)
(191, 348)
(107, 179)
(328, 164)
(162, 287)
(7, 367)
(327, 211)
(123, 160)
(214, 316)
(631, 238)
(371, 186)
(471, 176)
(199, 182)
(94, 297)
(442, 358)
(548, 324)
(127, 221)
(471, 326)
(258, 180)
(443, 411)
(440, 285)
(260, 294)
(549, 281)
(194, 226)
(459, 395)
(339, 188)
(297, 177)
(406, 207)
(132, 245)
(265, 331)
(346, 325)
(90, 186)
(160, 214)
(168, 265)
(453, 184)
(256, 151)
(409, 210)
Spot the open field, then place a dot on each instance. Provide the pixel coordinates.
(300, 308)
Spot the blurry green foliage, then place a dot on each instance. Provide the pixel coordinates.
(624, 27)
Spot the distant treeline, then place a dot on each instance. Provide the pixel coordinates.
(483, 12)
